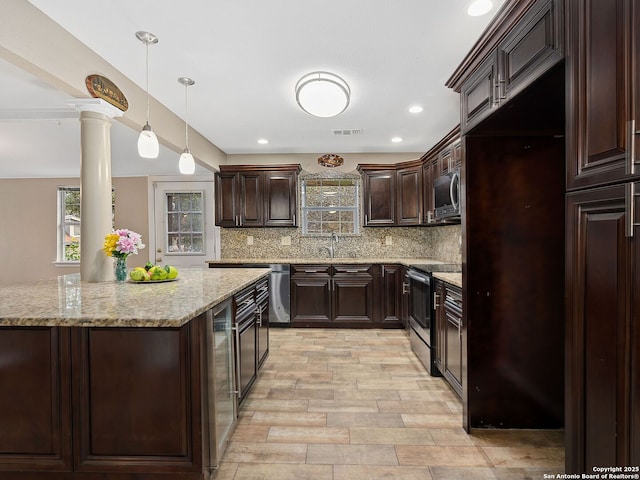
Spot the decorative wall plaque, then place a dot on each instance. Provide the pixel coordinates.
(101, 87)
(330, 160)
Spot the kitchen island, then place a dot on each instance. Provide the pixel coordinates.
(110, 380)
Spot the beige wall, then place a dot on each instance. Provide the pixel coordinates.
(28, 218)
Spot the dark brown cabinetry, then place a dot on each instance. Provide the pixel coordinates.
(390, 294)
(256, 196)
(409, 196)
(325, 295)
(449, 333)
(528, 49)
(603, 328)
(602, 384)
(444, 157)
(604, 78)
(379, 196)
(100, 402)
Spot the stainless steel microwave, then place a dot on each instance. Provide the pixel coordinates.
(446, 195)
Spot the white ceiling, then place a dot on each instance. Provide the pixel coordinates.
(246, 56)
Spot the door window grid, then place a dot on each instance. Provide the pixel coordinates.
(184, 233)
(329, 205)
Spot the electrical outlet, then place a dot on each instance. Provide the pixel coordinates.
(388, 240)
(249, 240)
(285, 241)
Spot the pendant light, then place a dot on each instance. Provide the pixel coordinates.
(186, 164)
(148, 146)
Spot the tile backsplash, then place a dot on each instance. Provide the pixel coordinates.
(440, 243)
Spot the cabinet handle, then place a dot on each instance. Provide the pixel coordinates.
(435, 300)
(238, 390)
(366, 220)
(382, 271)
(294, 219)
(502, 95)
(631, 148)
(630, 209)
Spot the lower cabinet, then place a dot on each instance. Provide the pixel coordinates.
(602, 420)
(109, 403)
(449, 345)
(349, 296)
(251, 327)
(331, 295)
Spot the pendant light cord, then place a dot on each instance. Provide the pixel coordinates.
(186, 123)
(147, 83)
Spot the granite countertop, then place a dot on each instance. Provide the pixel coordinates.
(452, 278)
(69, 302)
(325, 260)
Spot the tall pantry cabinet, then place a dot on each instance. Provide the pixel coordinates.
(602, 269)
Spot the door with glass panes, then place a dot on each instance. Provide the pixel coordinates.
(185, 235)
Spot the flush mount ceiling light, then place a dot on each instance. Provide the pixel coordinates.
(263, 141)
(479, 7)
(148, 146)
(416, 109)
(396, 139)
(186, 164)
(322, 94)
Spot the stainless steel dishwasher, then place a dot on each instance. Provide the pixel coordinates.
(279, 290)
(279, 296)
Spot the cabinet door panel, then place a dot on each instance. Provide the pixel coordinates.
(310, 299)
(391, 293)
(453, 351)
(531, 48)
(35, 420)
(478, 94)
(114, 425)
(251, 200)
(598, 290)
(602, 67)
(280, 199)
(226, 194)
(379, 195)
(352, 298)
(409, 195)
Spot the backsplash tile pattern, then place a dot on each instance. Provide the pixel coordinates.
(441, 243)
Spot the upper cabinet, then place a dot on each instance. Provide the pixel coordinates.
(401, 194)
(525, 50)
(603, 76)
(409, 196)
(378, 195)
(256, 196)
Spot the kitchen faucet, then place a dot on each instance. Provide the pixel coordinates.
(332, 245)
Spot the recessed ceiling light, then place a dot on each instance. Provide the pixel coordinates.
(263, 141)
(396, 139)
(479, 7)
(416, 109)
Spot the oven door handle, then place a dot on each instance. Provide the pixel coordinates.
(419, 278)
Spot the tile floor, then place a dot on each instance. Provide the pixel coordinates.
(357, 404)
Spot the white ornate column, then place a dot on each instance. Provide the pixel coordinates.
(95, 186)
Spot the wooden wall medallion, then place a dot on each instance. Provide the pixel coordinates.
(330, 160)
(101, 87)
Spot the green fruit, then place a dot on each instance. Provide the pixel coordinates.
(158, 273)
(137, 275)
(171, 272)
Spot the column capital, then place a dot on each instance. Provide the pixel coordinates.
(96, 105)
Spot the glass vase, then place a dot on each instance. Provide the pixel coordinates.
(121, 269)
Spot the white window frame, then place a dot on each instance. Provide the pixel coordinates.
(62, 223)
(355, 209)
